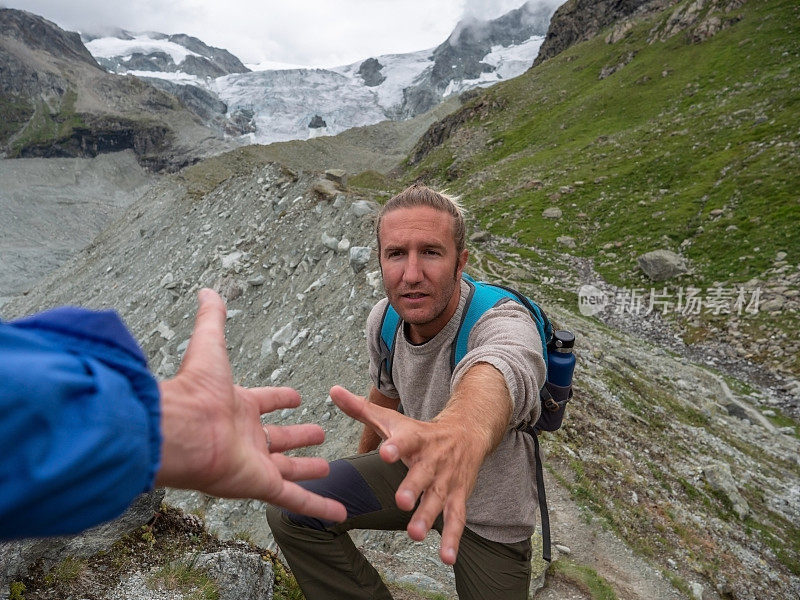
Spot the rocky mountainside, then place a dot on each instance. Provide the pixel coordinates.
(677, 472)
(684, 481)
(51, 208)
(465, 56)
(580, 20)
(58, 102)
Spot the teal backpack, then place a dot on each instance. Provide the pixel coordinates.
(483, 296)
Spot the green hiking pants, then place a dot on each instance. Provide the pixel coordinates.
(328, 565)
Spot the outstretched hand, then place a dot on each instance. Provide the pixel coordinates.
(443, 463)
(213, 439)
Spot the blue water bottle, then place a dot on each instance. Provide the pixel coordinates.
(560, 359)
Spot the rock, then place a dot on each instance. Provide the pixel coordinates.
(370, 72)
(719, 478)
(552, 213)
(329, 241)
(359, 257)
(566, 240)
(284, 335)
(164, 331)
(375, 279)
(338, 176)
(420, 581)
(480, 236)
(343, 245)
(230, 260)
(274, 378)
(533, 184)
(17, 557)
(659, 265)
(362, 208)
(240, 575)
(167, 280)
(266, 347)
(563, 549)
(697, 590)
(317, 123)
(232, 313)
(774, 305)
(325, 189)
(256, 280)
(716, 212)
(780, 256)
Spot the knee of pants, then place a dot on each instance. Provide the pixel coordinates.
(278, 522)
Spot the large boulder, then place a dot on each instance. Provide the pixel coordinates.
(659, 265)
(16, 558)
(719, 478)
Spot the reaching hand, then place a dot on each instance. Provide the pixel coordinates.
(213, 438)
(443, 460)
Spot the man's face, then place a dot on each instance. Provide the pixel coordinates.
(421, 268)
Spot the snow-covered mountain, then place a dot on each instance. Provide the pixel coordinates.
(179, 57)
(279, 105)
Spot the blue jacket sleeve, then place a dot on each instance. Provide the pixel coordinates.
(79, 422)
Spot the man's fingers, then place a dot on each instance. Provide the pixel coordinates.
(454, 523)
(360, 409)
(419, 477)
(269, 399)
(299, 468)
(298, 500)
(288, 437)
(209, 324)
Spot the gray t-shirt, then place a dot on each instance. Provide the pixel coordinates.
(502, 507)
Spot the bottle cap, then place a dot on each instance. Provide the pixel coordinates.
(563, 340)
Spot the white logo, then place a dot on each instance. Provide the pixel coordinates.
(591, 300)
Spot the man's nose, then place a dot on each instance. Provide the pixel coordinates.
(412, 272)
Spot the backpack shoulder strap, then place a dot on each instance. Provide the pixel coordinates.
(482, 296)
(390, 323)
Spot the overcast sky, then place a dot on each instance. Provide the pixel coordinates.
(302, 32)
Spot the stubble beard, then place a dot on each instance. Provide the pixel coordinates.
(438, 310)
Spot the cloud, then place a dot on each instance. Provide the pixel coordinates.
(312, 32)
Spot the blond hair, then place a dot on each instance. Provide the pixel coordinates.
(419, 194)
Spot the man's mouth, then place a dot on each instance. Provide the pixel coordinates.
(414, 295)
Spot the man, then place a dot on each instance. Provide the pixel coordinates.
(454, 457)
(85, 428)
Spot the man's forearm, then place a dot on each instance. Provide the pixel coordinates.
(481, 404)
(370, 439)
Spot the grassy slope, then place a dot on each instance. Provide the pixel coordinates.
(681, 130)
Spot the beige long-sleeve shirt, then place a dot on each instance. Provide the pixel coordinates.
(502, 507)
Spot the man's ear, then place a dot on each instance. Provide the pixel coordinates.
(462, 262)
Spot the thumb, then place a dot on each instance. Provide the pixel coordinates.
(359, 408)
(209, 325)
(353, 406)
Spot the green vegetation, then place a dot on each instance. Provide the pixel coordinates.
(16, 591)
(66, 572)
(48, 127)
(691, 147)
(16, 113)
(183, 576)
(286, 587)
(583, 577)
(371, 180)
